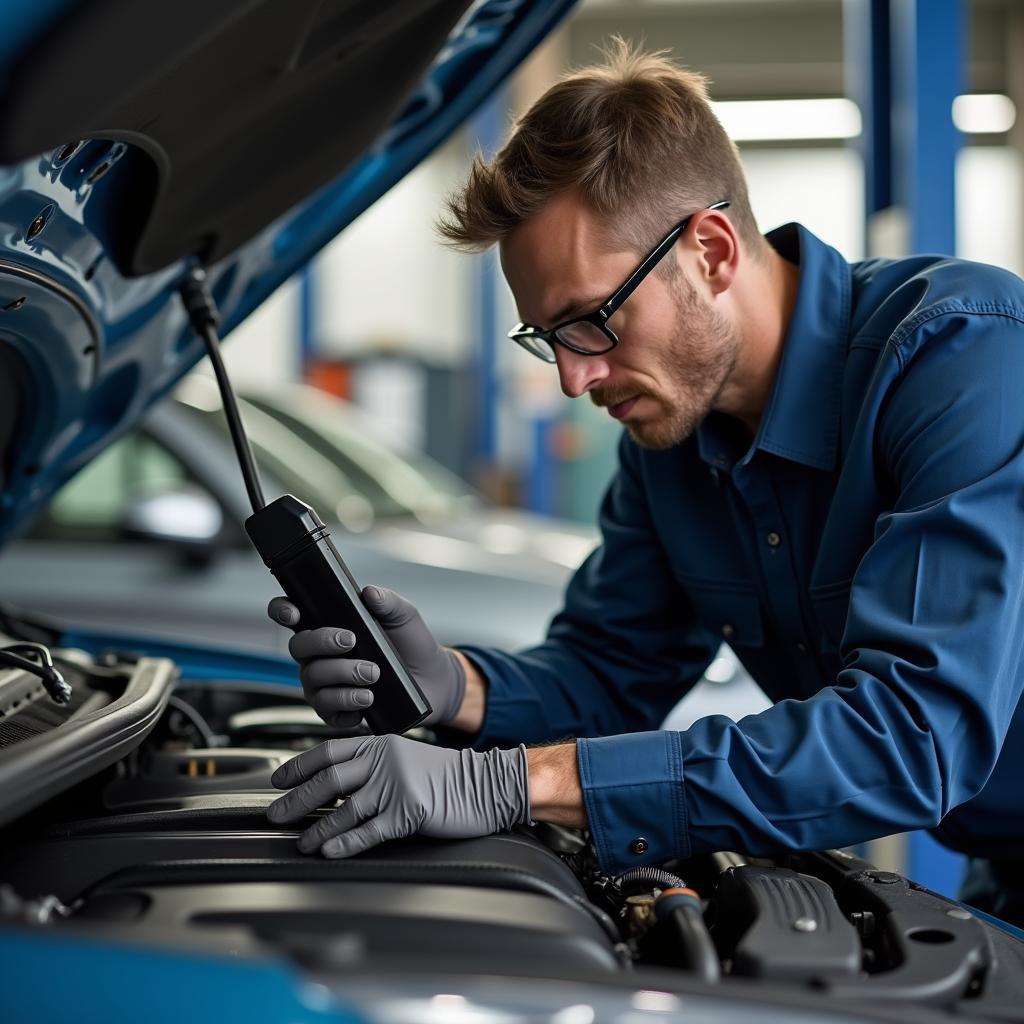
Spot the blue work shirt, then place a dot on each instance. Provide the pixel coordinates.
(863, 556)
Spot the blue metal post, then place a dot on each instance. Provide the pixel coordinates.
(868, 75)
(488, 127)
(487, 358)
(541, 488)
(928, 54)
(486, 134)
(307, 326)
(905, 66)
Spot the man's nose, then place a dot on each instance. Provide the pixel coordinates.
(577, 373)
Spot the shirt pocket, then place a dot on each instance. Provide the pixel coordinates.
(730, 610)
(830, 604)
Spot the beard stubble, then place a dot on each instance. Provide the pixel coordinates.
(693, 365)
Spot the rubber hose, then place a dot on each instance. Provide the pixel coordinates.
(697, 949)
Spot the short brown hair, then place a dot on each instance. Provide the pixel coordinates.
(635, 135)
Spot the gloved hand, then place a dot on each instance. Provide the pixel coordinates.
(336, 686)
(396, 787)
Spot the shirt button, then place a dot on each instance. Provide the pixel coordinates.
(638, 846)
(801, 647)
(727, 630)
(774, 540)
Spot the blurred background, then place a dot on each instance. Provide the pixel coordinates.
(830, 135)
(379, 386)
(414, 333)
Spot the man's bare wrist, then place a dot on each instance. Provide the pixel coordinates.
(471, 713)
(556, 794)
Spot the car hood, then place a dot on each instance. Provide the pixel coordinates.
(137, 140)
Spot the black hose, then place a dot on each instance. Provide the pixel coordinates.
(697, 951)
(204, 730)
(680, 936)
(55, 684)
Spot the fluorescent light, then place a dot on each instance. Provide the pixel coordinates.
(796, 120)
(782, 120)
(983, 113)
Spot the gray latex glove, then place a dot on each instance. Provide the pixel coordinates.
(339, 688)
(396, 787)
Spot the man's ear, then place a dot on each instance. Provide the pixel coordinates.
(718, 249)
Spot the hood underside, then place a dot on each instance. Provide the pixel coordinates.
(232, 112)
(139, 139)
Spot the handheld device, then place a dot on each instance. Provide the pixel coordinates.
(296, 546)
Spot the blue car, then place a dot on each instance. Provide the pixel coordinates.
(139, 875)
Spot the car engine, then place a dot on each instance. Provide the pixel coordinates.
(138, 810)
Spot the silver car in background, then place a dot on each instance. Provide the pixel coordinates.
(173, 489)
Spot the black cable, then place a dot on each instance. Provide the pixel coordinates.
(646, 878)
(202, 727)
(56, 685)
(204, 318)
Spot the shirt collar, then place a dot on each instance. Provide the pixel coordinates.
(801, 419)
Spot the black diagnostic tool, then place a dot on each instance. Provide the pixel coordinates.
(297, 549)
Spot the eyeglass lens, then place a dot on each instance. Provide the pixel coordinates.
(585, 336)
(538, 347)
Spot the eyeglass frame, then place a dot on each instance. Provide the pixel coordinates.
(523, 333)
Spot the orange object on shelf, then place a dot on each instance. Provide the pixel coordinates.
(332, 376)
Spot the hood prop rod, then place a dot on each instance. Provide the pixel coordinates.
(296, 546)
(205, 319)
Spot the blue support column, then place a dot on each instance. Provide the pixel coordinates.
(541, 483)
(928, 49)
(307, 327)
(905, 66)
(486, 406)
(539, 490)
(486, 134)
(928, 55)
(868, 75)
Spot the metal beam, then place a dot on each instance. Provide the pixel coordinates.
(486, 135)
(905, 64)
(868, 78)
(928, 54)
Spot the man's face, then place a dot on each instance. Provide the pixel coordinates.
(675, 351)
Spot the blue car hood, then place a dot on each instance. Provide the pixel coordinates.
(139, 139)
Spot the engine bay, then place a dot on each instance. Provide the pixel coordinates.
(138, 810)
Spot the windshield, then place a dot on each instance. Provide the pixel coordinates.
(406, 483)
(297, 466)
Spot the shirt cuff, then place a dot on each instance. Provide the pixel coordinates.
(510, 708)
(633, 794)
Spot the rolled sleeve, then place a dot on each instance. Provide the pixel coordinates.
(633, 794)
(514, 710)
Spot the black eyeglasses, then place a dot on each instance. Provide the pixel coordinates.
(590, 335)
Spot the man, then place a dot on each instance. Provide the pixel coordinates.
(821, 464)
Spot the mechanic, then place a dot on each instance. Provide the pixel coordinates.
(821, 464)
